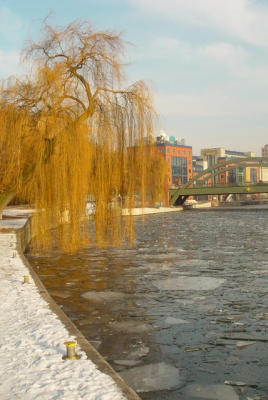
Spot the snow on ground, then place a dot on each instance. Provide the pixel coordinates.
(32, 341)
(148, 210)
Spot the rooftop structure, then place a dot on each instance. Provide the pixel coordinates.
(215, 155)
(163, 138)
(264, 151)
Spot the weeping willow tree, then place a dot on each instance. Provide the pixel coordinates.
(65, 128)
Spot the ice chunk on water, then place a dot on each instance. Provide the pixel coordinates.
(242, 345)
(103, 296)
(153, 377)
(131, 326)
(127, 362)
(189, 283)
(175, 321)
(59, 293)
(215, 392)
(140, 352)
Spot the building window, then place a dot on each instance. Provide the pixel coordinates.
(145, 151)
(179, 170)
(159, 150)
(211, 160)
(173, 151)
(253, 175)
(179, 152)
(189, 162)
(240, 177)
(232, 175)
(168, 159)
(168, 150)
(190, 171)
(189, 152)
(184, 152)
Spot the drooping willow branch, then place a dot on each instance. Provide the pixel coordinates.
(65, 129)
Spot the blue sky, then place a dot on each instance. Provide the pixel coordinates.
(207, 59)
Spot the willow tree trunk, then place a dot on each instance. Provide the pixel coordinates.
(5, 199)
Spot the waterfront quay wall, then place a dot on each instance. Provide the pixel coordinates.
(158, 210)
(238, 203)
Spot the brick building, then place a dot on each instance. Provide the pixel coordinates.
(179, 159)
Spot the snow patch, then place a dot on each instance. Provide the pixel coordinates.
(32, 342)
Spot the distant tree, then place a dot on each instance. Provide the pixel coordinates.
(65, 128)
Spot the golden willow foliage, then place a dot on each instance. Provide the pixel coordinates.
(65, 130)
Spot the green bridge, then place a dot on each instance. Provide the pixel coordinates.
(198, 187)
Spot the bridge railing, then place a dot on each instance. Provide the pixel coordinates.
(226, 184)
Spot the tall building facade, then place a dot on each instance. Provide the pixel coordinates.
(238, 174)
(179, 160)
(215, 155)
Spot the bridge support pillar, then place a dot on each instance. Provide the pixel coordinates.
(180, 200)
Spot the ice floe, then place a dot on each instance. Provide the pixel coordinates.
(131, 326)
(153, 377)
(175, 321)
(102, 296)
(189, 283)
(206, 392)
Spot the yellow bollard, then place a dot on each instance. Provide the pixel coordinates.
(70, 348)
(26, 279)
(14, 254)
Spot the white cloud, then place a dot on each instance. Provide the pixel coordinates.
(243, 19)
(235, 60)
(238, 66)
(210, 105)
(224, 54)
(166, 46)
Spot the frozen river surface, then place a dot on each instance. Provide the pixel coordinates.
(184, 314)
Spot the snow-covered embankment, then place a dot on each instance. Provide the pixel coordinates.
(32, 339)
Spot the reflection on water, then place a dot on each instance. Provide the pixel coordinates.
(169, 314)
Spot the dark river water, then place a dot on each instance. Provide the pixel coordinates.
(183, 314)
